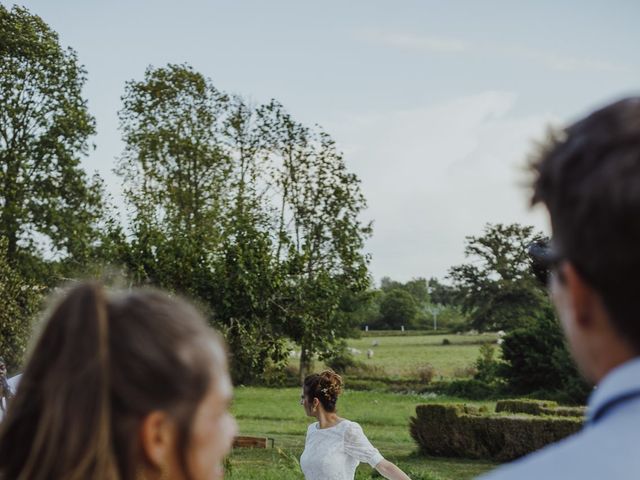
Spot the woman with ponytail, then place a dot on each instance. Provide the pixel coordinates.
(129, 386)
(335, 446)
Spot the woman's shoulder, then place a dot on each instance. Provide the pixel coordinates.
(349, 427)
(350, 424)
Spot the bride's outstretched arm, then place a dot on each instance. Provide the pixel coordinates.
(391, 471)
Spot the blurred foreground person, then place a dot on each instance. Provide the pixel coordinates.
(335, 446)
(6, 393)
(123, 387)
(589, 180)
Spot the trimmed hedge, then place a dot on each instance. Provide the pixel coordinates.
(453, 430)
(538, 407)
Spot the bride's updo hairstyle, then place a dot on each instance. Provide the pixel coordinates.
(325, 386)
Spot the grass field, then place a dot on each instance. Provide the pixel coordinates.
(276, 413)
(402, 355)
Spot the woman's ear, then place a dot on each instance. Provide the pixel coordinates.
(157, 437)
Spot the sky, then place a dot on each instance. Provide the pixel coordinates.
(435, 104)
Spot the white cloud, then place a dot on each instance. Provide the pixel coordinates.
(565, 63)
(434, 175)
(409, 41)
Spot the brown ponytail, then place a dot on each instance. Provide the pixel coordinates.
(326, 386)
(100, 365)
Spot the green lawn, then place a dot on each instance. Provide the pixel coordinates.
(402, 355)
(276, 413)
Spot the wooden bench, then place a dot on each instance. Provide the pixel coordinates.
(252, 442)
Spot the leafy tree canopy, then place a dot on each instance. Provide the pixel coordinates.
(48, 203)
(496, 288)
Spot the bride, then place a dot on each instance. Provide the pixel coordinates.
(335, 446)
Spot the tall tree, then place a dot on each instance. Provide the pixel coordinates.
(248, 277)
(192, 172)
(45, 196)
(497, 288)
(320, 232)
(398, 308)
(244, 208)
(174, 169)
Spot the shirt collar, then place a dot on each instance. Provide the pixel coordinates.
(619, 382)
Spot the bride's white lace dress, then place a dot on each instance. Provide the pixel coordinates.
(334, 453)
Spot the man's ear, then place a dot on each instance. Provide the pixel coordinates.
(582, 296)
(157, 433)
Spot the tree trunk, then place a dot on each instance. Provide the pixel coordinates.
(306, 362)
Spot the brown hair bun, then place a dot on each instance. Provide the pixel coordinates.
(325, 386)
(332, 383)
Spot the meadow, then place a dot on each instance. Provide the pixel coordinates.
(401, 355)
(276, 412)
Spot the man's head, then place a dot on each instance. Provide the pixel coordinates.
(589, 180)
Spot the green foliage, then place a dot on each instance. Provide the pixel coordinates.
(497, 288)
(449, 318)
(487, 365)
(20, 302)
(536, 359)
(48, 202)
(398, 308)
(340, 361)
(245, 210)
(448, 430)
(442, 294)
(471, 389)
(174, 175)
(416, 287)
(538, 407)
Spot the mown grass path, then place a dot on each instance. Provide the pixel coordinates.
(384, 417)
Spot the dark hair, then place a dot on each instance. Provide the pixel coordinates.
(325, 386)
(589, 180)
(99, 367)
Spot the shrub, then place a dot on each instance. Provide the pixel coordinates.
(359, 384)
(530, 407)
(469, 371)
(486, 364)
(446, 341)
(471, 389)
(455, 431)
(426, 373)
(536, 358)
(538, 407)
(340, 361)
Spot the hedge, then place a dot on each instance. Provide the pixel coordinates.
(452, 430)
(538, 407)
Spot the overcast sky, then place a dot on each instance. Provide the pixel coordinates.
(435, 104)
